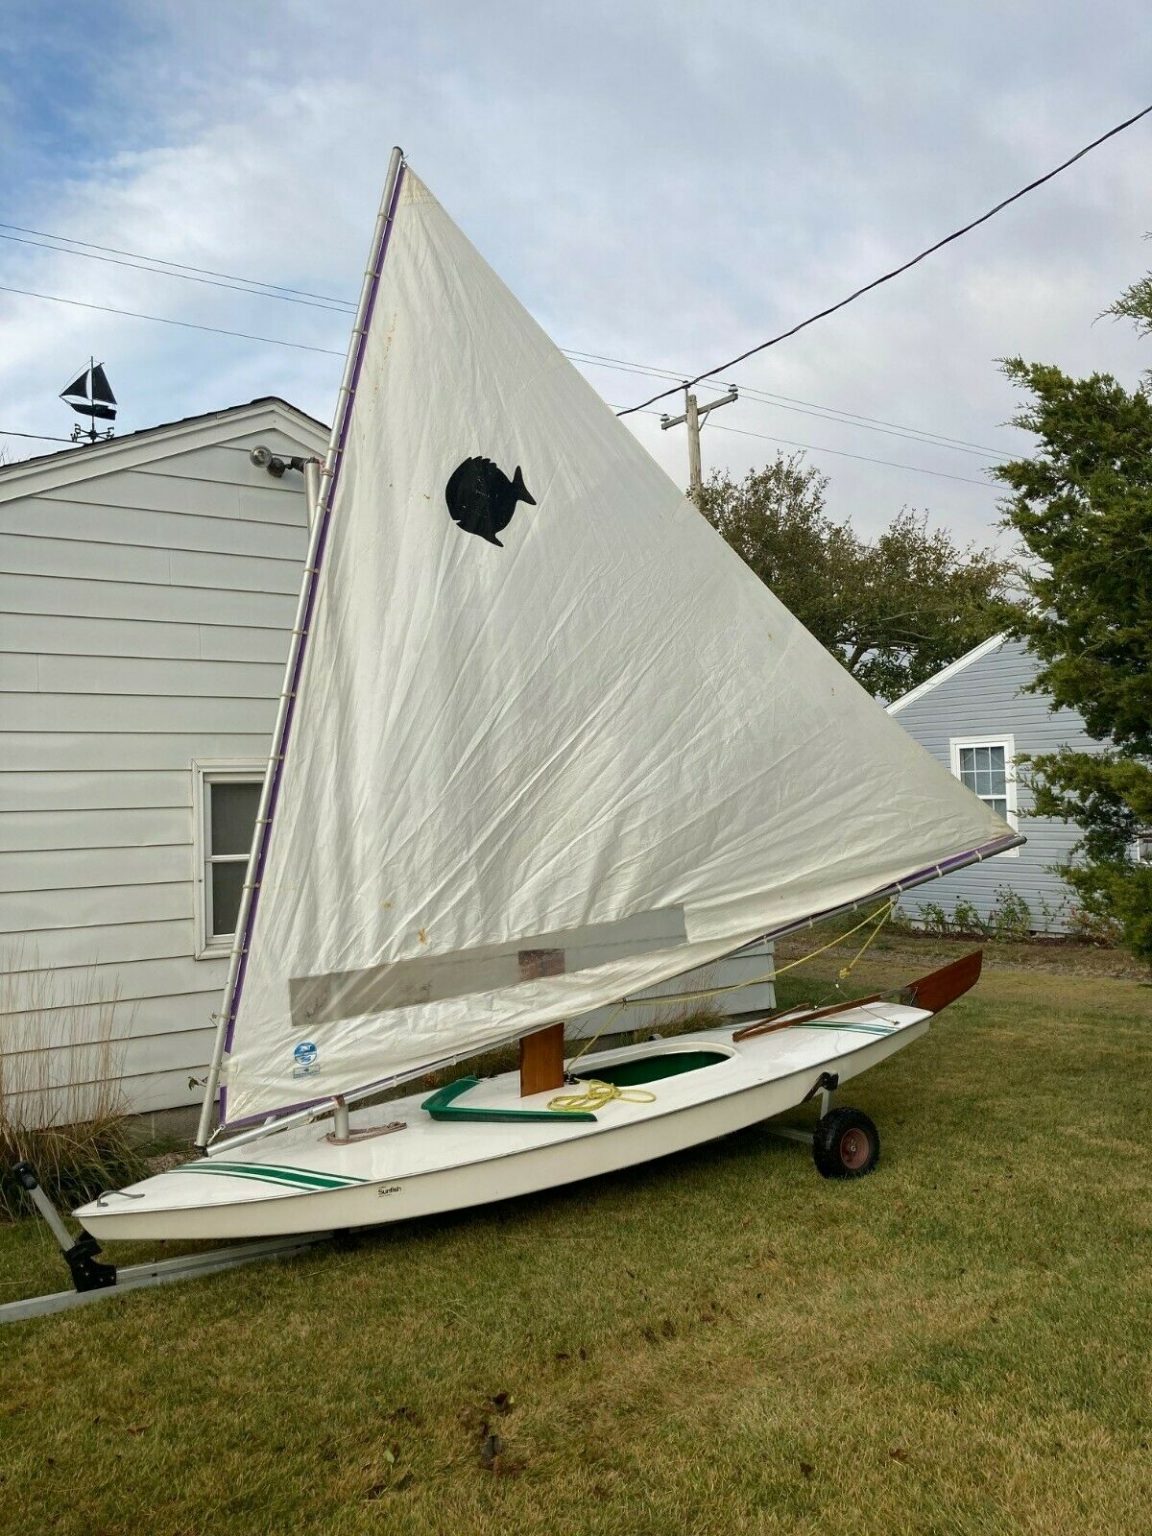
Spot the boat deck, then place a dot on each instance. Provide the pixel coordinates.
(303, 1159)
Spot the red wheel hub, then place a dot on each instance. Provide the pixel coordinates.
(854, 1149)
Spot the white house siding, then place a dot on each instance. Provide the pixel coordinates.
(147, 589)
(986, 699)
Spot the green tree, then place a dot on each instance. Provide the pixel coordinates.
(1082, 504)
(893, 611)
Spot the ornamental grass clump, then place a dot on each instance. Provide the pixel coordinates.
(61, 1099)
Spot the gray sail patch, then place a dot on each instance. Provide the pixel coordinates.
(490, 968)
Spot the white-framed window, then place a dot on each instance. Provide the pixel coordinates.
(1142, 846)
(225, 799)
(986, 766)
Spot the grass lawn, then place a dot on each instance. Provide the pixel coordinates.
(721, 1342)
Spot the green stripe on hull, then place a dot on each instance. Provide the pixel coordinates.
(293, 1178)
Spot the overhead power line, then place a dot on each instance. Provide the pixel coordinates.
(241, 286)
(841, 453)
(803, 407)
(895, 272)
(186, 325)
(260, 289)
(276, 341)
(114, 250)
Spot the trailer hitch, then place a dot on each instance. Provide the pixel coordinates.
(88, 1274)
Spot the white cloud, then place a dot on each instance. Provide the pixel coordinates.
(655, 182)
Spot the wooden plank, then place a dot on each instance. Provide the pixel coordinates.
(542, 1060)
(65, 869)
(67, 713)
(79, 906)
(144, 526)
(32, 831)
(159, 677)
(138, 600)
(939, 988)
(37, 750)
(98, 790)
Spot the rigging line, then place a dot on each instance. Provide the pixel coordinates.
(337, 307)
(841, 453)
(115, 250)
(186, 325)
(823, 412)
(896, 271)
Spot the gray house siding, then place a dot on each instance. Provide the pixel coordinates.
(984, 700)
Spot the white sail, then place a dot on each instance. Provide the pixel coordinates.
(515, 740)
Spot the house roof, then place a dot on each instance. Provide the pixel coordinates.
(951, 670)
(28, 477)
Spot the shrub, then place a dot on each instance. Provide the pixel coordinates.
(1010, 917)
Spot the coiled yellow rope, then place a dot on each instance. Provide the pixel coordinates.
(596, 1094)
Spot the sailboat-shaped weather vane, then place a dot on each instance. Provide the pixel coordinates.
(90, 394)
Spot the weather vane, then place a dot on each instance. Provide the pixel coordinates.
(90, 394)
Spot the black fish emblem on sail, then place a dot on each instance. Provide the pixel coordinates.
(481, 498)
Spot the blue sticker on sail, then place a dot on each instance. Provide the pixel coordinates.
(305, 1057)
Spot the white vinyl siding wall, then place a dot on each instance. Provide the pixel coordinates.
(144, 619)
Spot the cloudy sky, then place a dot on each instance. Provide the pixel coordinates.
(661, 182)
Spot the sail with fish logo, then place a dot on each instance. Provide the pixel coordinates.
(536, 704)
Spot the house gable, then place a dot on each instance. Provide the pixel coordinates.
(89, 463)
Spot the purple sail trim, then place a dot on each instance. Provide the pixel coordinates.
(313, 579)
(907, 882)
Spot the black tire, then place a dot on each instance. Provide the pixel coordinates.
(846, 1144)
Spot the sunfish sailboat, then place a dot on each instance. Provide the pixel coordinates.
(544, 742)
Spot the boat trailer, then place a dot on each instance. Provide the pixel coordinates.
(94, 1280)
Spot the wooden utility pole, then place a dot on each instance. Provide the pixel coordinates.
(695, 415)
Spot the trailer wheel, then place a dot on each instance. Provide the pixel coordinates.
(846, 1144)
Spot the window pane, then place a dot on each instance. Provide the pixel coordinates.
(233, 816)
(996, 772)
(967, 762)
(999, 806)
(227, 884)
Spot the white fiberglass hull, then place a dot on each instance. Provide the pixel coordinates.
(298, 1180)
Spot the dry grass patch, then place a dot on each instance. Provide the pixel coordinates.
(61, 1097)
